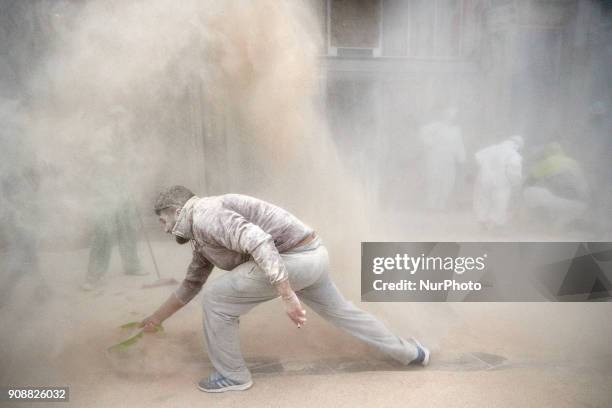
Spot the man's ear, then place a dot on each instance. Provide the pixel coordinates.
(177, 212)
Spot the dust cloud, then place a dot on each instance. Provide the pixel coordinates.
(108, 101)
(114, 110)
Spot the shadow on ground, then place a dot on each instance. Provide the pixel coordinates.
(475, 361)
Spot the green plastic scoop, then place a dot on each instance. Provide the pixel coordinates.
(122, 345)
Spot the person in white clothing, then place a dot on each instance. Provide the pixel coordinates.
(444, 152)
(499, 175)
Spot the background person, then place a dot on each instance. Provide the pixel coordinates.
(499, 175)
(444, 152)
(114, 213)
(557, 190)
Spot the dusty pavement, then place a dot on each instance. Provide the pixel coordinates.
(485, 355)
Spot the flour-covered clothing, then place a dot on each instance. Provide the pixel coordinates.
(500, 169)
(262, 245)
(235, 293)
(231, 229)
(444, 151)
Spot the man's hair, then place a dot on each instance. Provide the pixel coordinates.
(175, 196)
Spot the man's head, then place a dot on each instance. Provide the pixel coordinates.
(168, 206)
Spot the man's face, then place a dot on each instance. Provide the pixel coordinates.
(168, 217)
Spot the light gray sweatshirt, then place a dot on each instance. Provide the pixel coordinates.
(231, 229)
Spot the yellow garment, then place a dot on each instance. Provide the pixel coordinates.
(554, 164)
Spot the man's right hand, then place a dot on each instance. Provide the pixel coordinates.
(150, 324)
(167, 309)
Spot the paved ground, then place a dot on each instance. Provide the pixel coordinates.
(485, 355)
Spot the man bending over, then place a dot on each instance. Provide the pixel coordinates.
(269, 253)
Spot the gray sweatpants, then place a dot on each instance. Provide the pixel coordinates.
(235, 293)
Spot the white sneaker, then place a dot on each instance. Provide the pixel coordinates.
(218, 383)
(423, 354)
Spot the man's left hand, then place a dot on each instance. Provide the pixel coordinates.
(294, 309)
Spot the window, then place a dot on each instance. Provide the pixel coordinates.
(425, 28)
(354, 23)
